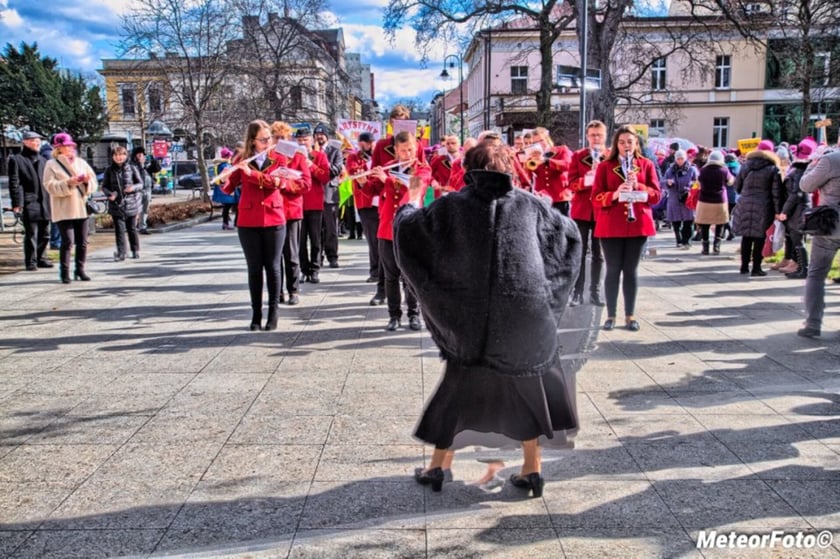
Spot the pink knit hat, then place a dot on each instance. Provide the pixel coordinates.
(806, 148)
(766, 145)
(225, 153)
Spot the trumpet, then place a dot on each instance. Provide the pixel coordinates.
(533, 164)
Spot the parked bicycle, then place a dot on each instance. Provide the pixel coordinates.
(15, 227)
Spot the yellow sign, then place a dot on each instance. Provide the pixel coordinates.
(641, 130)
(748, 145)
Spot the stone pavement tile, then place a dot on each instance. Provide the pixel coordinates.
(640, 541)
(607, 504)
(368, 402)
(361, 462)
(113, 429)
(147, 381)
(387, 384)
(628, 402)
(716, 403)
(90, 544)
(276, 429)
(194, 402)
(10, 540)
(728, 504)
(318, 365)
(162, 462)
(608, 379)
(697, 456)
(825, 430)
(525, 542)
(352, 430)
(168, 428)
(57, 463)
(677, 363)
(25, 504)
(738, 429)
(465, 506)
(74, 379)
(140, 403)
(769, 381)
(818, 501)
(16, 428)
(30, 363)
(652, 426)
(120, 505)
(227, 381)
(592, 460)
(246, 358)
(801, 460)
(375, 362)
(812, 403)
(273, 462)
(38, 405)
(316, 399)
(378, 503)
(370, 544)
(192, 361)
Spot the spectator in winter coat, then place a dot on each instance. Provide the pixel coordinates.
(796, 203)
(31, 201)
(678, 180)
(712, 204)
(123, 185)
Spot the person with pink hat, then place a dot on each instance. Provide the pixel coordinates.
(70, 180)
(761, 195)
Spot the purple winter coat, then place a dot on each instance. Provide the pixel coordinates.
(683, 177)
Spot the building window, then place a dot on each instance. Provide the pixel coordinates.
(720, 132)
(658, 74)
(519, 80)
(296, 97)
(155, 98)
(657, 127)
(723, 72)
(128, 100)
(822, 63)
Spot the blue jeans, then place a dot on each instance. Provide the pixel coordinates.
(823, 250)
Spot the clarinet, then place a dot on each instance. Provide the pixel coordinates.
(627, 168)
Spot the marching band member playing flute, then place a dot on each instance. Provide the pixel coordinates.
(261, 220)
(393, 194)
(623, 227)
(441, 163)
(292, 192)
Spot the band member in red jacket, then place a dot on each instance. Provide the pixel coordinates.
(313, 207)
(385, 150)
(393, 194)
(367, 205)
(550, 172)
(623, 227)
(261, 220)
(441, 163)
(581, 179)
(292, 191)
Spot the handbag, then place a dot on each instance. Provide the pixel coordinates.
(820, 220)
(91, 207)
(693, 197)
(683, 196)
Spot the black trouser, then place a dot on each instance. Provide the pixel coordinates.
(704, 232)
(348, 219)
(36, 236)
(330, 234)
(683, 231)
(588, 239)
(310, 230)
(392, 283)
(226, 213)
(751, 247)
(370, 225)
(123, 225)
(622, 255)
(562, 207)
(73, 231)
(263, 249)
(291, 257)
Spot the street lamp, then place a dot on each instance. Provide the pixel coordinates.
(445, 75)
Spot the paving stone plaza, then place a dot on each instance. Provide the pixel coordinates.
(140, 418)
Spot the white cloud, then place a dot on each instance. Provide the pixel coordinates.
(10, 17)
(394, 84)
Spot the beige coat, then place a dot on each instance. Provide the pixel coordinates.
(68, 202)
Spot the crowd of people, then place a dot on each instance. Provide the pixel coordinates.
(489, 243)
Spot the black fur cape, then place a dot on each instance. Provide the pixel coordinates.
(492, 267)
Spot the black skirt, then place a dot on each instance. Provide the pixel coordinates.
(479, 406)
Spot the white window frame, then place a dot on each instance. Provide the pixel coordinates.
(517, 77)
(720, 132)
(659, 74)
(723, 71)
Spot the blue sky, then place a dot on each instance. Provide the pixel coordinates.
(79, 33)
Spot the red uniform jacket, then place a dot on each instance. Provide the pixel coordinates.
(357, 163)
(552, 178)
(313, 199)
(383, 152)
(441, 170)
(456, 177)
(582, 164)
(394, 194)
(612, 215)
(293, 190)
(260, 202)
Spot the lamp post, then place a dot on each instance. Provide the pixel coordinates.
(438, 114)
(445, 75)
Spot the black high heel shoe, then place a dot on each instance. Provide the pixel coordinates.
(81, 275)
(533, 482)
(433, 477)
(256, 318)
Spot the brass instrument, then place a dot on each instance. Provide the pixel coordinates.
(230, 170)
(534, 164)
(627, 168)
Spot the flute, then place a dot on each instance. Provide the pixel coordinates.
(229, 171)
(370, 172)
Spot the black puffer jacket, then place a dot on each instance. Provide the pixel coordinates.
(492, 266)
(26, 172)
(797, 201)
(759, 184)
(116, 179)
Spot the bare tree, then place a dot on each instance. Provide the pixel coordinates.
(801, 39)
(186, 44)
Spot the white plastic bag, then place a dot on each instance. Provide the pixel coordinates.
(778, 235)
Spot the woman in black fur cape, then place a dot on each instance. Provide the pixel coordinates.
(493, 267)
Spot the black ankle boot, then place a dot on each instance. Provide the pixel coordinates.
(716, 246)
(271, 322)
(256, 318)
(802, 262)
(705, 249)
(65, 275)
(80, 274)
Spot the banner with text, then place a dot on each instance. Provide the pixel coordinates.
(351, 129)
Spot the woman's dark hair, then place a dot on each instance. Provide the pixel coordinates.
(614, 152)
(488, 156)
